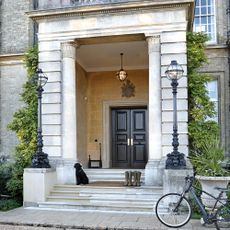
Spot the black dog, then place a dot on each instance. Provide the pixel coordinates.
(81, 177)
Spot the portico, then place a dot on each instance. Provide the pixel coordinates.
(78, 101)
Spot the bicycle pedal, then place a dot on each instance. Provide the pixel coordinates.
(202, 221)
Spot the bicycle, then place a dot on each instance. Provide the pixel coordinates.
(174, 210)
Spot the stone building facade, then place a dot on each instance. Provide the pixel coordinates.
(79, 49)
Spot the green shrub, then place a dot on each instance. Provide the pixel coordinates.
(5, 174)
(207, 161)
(6, 205)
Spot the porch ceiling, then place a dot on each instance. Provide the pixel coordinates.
(106, 56)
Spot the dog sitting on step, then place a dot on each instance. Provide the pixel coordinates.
(81, 177)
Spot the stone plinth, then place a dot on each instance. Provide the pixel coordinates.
(37, 183)
(174, 179)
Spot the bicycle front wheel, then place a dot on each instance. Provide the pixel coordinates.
(173, 210)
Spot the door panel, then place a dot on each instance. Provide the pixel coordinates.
(129, 138)
(138, 135)
(120, 141)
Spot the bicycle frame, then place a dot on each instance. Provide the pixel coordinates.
(206, 216)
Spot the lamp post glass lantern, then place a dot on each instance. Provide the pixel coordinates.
(40, 159)
(175, 159)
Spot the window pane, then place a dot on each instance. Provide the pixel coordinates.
(203, 10)
(197, 29)
(197, 20)
(203, 20)
(203, 2)
(212, 88)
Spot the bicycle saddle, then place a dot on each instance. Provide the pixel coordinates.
(222, 189)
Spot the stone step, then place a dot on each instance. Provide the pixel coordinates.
(102, 199)
(110, 174)
(98, 196)
(121, 207)
(103, 186)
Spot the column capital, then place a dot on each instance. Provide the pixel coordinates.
(69, 49)
(153, 43)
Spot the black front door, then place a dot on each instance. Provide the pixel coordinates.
(129, 138)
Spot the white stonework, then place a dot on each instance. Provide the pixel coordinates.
(152, 172)
(69, 100)
(165, 31)
(37, 184)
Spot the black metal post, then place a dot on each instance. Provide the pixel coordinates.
(175, 159)
(40, 159)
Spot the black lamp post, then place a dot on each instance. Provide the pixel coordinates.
(40, 159)
(175, 159)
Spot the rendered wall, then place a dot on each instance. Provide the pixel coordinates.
(82, 85)
(104, 86)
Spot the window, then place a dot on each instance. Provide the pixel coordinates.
(212, 87)
(205, 20)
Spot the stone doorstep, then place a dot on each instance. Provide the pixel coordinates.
(93, 197)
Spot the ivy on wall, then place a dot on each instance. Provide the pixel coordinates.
(201, 127)
(24, 123)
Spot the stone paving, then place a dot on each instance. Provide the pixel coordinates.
(37, 219)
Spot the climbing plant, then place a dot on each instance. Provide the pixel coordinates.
(24, 123)
(201, 110)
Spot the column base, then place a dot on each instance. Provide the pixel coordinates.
(154, 172)
(66, 172)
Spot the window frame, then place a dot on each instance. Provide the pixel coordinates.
(213, 14)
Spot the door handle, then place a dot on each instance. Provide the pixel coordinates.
(131, 140)
(128, 142)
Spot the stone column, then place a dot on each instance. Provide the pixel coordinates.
(65, 170)
(69, 101)
(153, 175)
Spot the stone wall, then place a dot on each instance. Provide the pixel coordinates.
(15, 26)
(12, 77)
(218, 67)
(221, 21)
(15, 37)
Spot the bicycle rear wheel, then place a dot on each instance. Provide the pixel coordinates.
(173, 210)
(223, 217)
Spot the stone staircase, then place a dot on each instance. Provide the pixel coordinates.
(104, 192)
